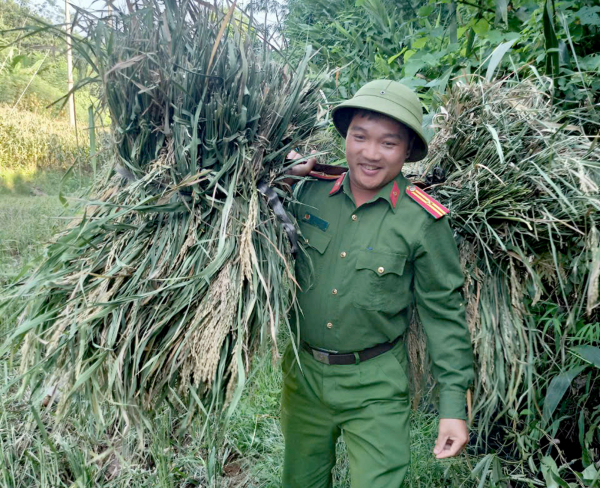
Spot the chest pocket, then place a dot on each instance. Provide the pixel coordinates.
(315, 238)
(314, 243)
(380, 283)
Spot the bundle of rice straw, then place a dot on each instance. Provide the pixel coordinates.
(523, 179)
(168, 281)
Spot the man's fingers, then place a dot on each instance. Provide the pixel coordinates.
(293, 155)
(300, 169)
(451, 448)
(440, 443)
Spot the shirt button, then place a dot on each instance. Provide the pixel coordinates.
(305, 241)
(343, 254)
(334, 291)
(355, 218)
(380, 270)
(329, 325)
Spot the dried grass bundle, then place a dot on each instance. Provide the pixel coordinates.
(171, 277)
(523, 180)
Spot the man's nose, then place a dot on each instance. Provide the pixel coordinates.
(371, 151)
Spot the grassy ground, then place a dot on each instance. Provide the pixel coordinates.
(30, 213)
(39, 451)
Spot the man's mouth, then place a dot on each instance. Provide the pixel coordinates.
(369, 169)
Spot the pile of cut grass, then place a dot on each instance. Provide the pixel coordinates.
(523, 180)
(161, 291)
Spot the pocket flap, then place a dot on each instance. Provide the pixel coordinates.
(381, 263)
(315, 238)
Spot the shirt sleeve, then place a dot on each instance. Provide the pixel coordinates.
(438, 293)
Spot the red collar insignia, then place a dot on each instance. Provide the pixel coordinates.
(394, 194)
(338, 184)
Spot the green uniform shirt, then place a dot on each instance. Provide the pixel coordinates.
(364, 269)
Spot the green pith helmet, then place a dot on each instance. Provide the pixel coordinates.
(389, 98)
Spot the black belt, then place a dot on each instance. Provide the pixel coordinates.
(328, 357)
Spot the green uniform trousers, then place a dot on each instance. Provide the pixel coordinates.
(368, 402)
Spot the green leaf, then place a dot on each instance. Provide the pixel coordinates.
(551, 475)
(42, 427)
(502, 10)
(590, 353)
(481, 27)
(589, 16)
(419, 43)
(557, 389)
(425, 11)
(65, 177)
(590, 473)
(496, 58)
(551, 42)
(82, 378)
(393, 58)
(92, 129)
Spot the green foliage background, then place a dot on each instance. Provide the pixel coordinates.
(425, 45)
(33, 70)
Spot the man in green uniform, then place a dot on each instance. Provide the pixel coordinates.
(376, 246)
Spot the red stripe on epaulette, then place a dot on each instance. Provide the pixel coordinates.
(432, 206)
(323, 176)
(338, 184)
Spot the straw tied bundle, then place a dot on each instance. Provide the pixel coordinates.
(167, 283)
(522, 183)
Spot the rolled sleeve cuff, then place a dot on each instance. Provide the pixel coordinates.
(453, 405)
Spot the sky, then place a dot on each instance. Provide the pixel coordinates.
(57, 6)
(101, 4)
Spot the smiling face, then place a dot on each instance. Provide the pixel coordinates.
(376, 148)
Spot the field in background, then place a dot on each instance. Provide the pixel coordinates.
(30, 141)
(78, 451)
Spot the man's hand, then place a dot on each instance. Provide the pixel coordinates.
(302, 169)
(452, 437)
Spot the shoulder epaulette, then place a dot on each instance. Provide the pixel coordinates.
(432, 206)
(323, 176)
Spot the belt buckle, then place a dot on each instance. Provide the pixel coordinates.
(321, 356)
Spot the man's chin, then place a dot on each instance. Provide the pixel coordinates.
(371, 184)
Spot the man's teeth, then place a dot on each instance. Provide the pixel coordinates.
(369, 167)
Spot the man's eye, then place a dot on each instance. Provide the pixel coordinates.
(359, 138)
(389, 144)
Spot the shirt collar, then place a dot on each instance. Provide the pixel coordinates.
(392, 192)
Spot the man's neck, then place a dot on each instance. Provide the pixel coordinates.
(361, 195)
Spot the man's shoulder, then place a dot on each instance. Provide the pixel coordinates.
(428, 204)
(320, 185)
